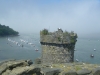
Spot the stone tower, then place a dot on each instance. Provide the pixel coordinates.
(58, 46)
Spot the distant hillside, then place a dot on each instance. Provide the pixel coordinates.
(6, 31)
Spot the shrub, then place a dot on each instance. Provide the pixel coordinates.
(44, 32)
(59, 39)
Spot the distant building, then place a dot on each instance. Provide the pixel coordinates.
(57, 47)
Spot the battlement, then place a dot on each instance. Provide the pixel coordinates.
(58, 46)
(58, 37)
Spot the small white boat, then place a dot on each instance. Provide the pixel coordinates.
(77, 60)
(36, 49)
(94, 49)
(92, 55)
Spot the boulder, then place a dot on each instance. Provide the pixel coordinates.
(83, 72)
(7, 72)
(69, 73)
(50, 71)
(10, 65)
(27, 70)
(37, 61)
(29, 62)
(96, 71)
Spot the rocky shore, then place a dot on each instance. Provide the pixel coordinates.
(26, 67)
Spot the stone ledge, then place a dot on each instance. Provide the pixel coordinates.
(22, 67)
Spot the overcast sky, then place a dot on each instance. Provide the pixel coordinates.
(80, 16)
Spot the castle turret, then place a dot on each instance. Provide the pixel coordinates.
(58, 46)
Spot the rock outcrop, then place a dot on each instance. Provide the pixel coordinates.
(25, 67)
(18, 67)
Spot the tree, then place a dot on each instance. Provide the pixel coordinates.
(6, 31)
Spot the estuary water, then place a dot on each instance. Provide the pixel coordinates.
(27, 46)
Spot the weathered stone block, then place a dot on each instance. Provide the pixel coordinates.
(10, 65)
(37, 61)
(96, 71)
(69, 73)
(83, 72)
(50, 71)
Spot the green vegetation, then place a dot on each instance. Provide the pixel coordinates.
(66, 33)
(44, 32)
(72, 41)
(6, 31)
(73, 38)
(59, 38)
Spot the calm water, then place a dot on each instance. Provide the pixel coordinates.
(85, 47)
(12, 48)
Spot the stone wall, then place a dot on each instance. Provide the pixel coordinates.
(58, 46)
(57, 53)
